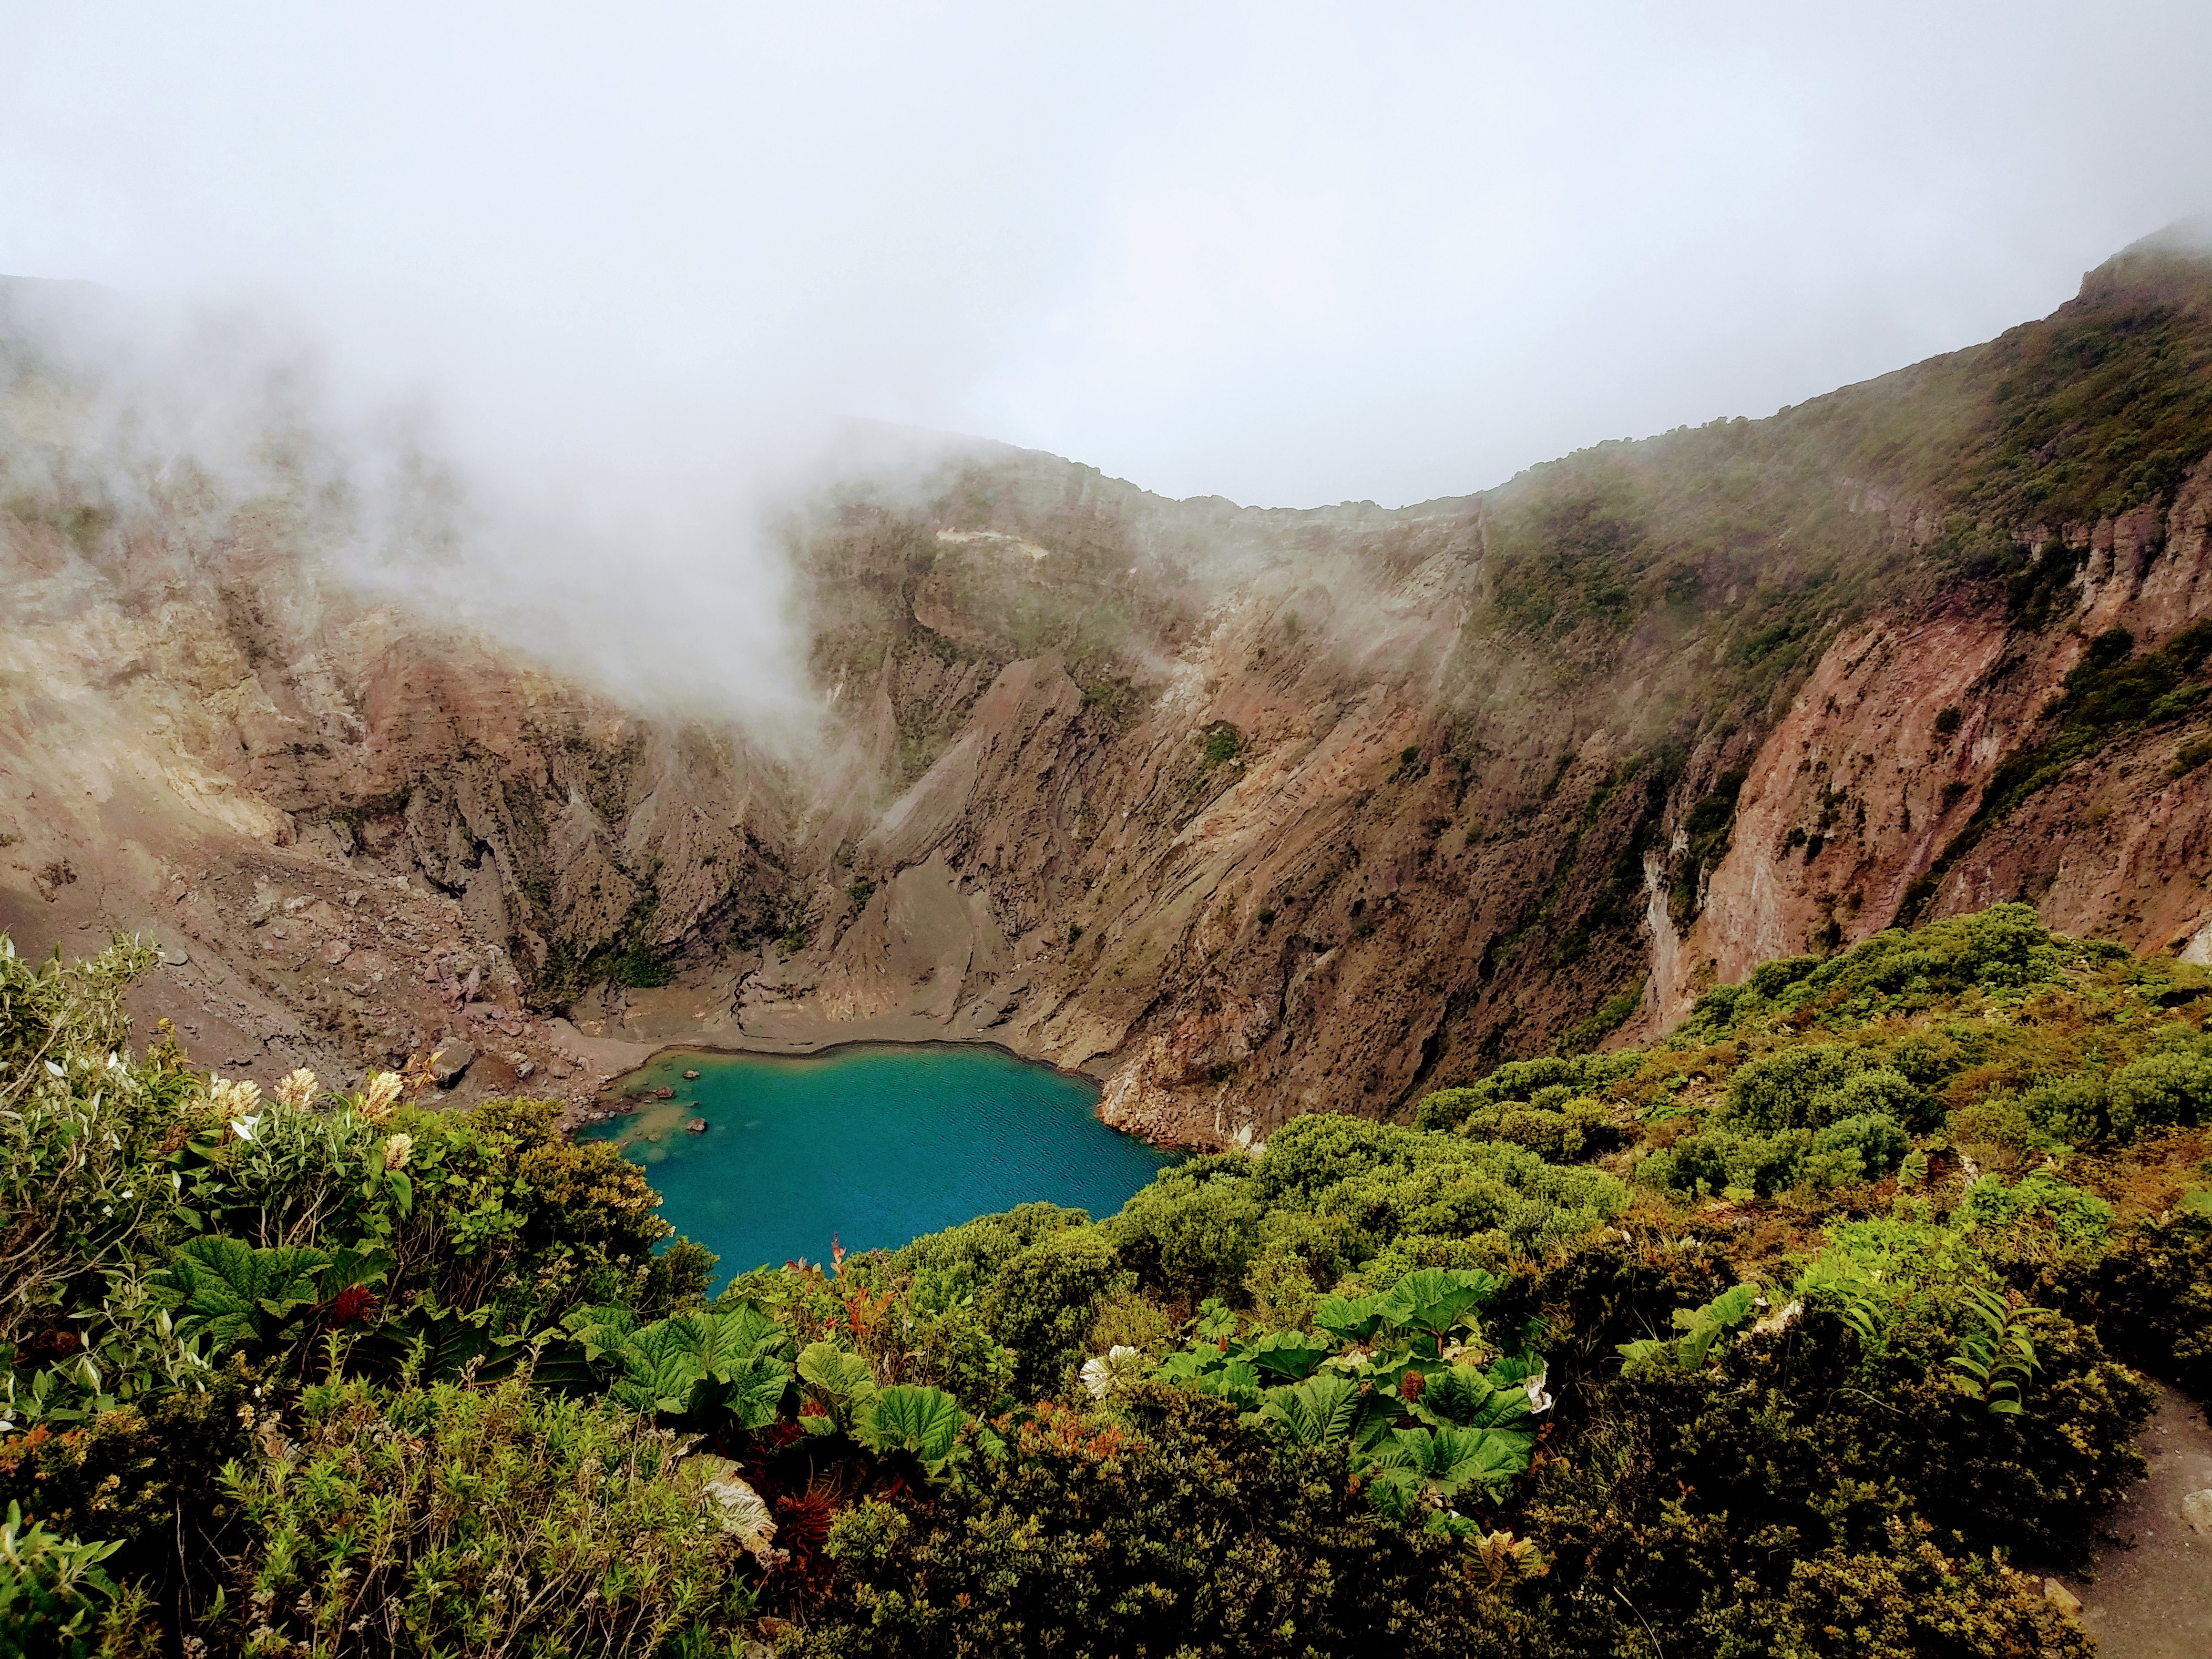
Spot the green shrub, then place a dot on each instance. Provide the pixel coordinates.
(2157, 1090)
(56, 1600)
(966, 1259)
(1043, 1300)
(1862, 1148)
(1525, 1081)
(1223, 742)
(1189, 1237)
(953, 1348)
(1558, 1125)
(2152, 1293)
(1162, 1528)
(450, 1519)
(1795, 1088)
(2164, 1087)
(2078, 1224)
(1381, 1180)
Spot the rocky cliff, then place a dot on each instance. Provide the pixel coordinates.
(1251, 813)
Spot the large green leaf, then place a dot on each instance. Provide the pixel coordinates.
(1498, 1456)
(1238, 1382)
(1701, 1327)
(1190, 1366)
(1378, 1414)
(1464, 1397)
(659, 1369)
(726, 1339)
(693, 1364)
(904, 1418)
(1349, 1319)
(838, 1378)
(1447, 1459)
(1434, 1299)
(233, 1293)
(1286, 1353)
(1318, 1412)
(1215, 1320)
(349, 1266)
(1514, 1371)
(750, 1328)
(451, 1341)
(602, 1330)
(750, 1389)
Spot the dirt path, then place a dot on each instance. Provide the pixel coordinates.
(2152, 1597)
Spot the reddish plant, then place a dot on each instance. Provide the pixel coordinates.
(802, 1528)
(1410, 1386)
(765, 1441)
(353, 1305)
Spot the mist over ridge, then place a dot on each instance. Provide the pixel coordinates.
(1021, 659)
(881, 736)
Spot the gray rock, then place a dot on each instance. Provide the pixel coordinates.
(698, 1126)
(451, 1061)
(2197, 1509)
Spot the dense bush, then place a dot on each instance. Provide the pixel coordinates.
(329, 1373)
(2152, 1297)
(1161, 1527)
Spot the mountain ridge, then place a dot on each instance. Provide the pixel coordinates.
(1250, 811)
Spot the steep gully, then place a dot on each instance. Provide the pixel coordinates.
(1248, 813)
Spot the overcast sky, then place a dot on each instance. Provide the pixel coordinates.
(1285, 254)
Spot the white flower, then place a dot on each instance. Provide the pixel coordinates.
(397, 1149)
(297, 1089)
(234, 1097)
(1103, 1373)
(245, 1126)
(1779, 1320)
(377, 1098)
(1538, 1402)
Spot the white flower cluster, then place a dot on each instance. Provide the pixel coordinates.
(297, 1090)
(234, 1098)
(377, 1097)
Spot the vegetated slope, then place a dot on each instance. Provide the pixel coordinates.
(1774, 1337)
(1300, 811)
(1255, 812)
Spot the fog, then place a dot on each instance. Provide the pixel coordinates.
(618, 274)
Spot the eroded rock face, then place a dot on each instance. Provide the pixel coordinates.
(1860, 789)
(1248, 813)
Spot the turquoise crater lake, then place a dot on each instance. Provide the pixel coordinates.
(877, 1144)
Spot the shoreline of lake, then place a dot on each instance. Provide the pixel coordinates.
(875, 1142)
